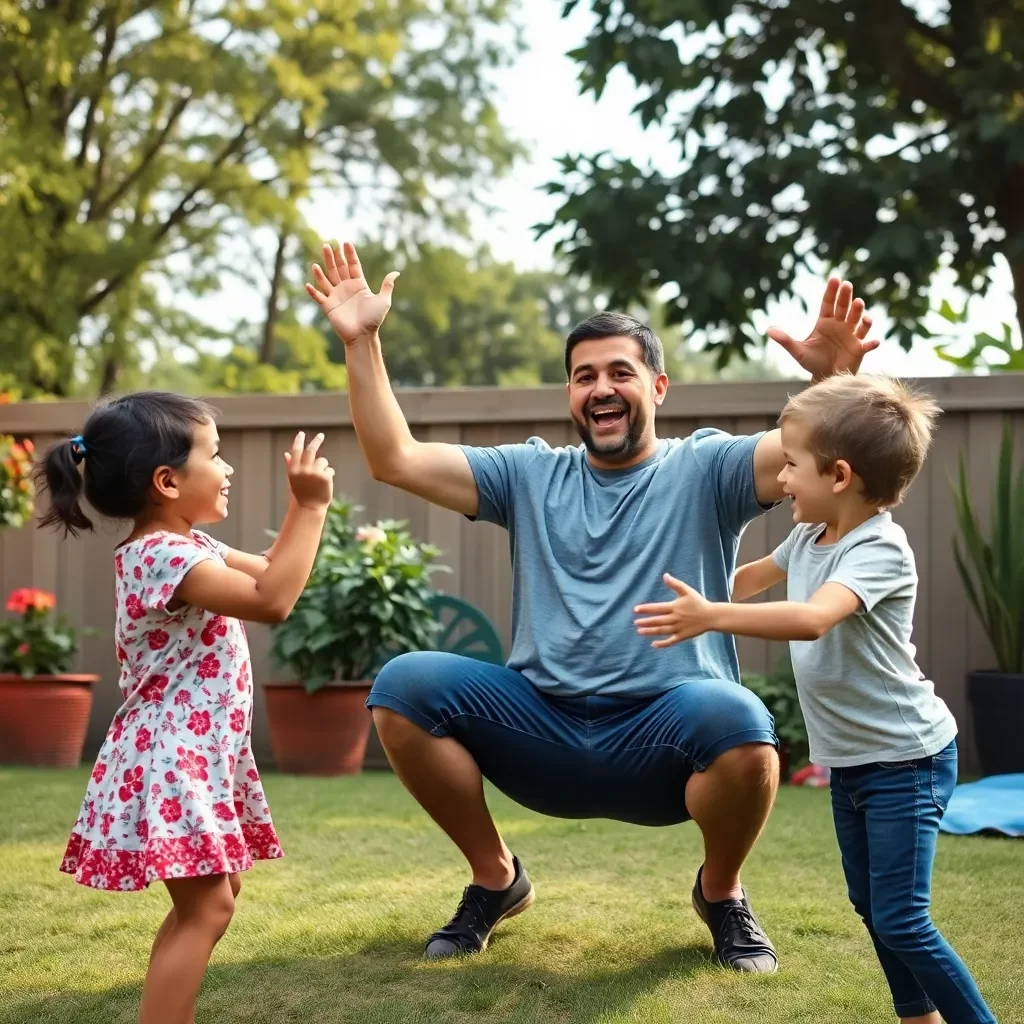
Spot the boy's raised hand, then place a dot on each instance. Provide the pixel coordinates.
(685, 617)
(341, 291)
(836, 343)
(310, 477)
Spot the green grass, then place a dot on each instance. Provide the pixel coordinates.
(334, 931)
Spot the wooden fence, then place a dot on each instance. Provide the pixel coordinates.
(256, 430)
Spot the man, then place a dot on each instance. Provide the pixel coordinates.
(587, 720)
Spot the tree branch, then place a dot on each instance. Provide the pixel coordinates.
(104, 207)
(94, 99)
(183, 209)
(23, 89)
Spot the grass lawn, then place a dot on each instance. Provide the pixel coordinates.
(334, 931)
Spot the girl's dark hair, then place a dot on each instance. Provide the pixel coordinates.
(113, 460)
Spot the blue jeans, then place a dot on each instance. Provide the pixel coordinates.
(575, 757)
(887, 822)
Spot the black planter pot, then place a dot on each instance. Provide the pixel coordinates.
(997, 706)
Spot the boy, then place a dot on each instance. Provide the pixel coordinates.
(853, 445)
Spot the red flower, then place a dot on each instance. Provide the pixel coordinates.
(157, 639)
(133, 606)
(137, 572)
(119, 566)
(170, 809)
(142, 738)
(24, 649)
(216, 627)
(176, 562)
(199, 723)
(150, 561)
(142, 829)
(208, 667)
(153, 691)
(105, 822)
(223, 811)
(243, 679)
(239, 808)
(252, 775)
(118, 728)
(170, 778)
(237, 720)
(192, 764)
(99, 771)
(21, 600)
(182, 697)
(122, 654)
(132, 783)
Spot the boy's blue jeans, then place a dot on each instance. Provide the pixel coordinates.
(887, 822)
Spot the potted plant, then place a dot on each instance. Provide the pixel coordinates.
(44, 710)
(992, 571)
(368, 598)
(17, 495)
(777, 691)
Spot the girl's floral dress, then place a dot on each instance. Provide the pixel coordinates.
(175, 792)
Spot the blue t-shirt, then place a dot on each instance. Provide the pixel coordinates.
(589, 544)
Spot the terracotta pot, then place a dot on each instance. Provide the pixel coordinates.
(43, 720)
(322, 733)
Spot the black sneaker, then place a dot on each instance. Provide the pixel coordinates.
(740, 941)
(480, 911)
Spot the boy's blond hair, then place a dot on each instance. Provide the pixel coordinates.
(877, 424)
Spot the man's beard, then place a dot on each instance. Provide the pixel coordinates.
(620, 449)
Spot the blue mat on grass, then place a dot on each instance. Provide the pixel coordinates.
(993, 804)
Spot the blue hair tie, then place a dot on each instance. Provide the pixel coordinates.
(77, 448)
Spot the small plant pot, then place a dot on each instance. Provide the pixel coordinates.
(997, 707)
(44, 719)
(321, 733)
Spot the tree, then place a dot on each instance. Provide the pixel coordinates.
(137, 135)
(867, 135)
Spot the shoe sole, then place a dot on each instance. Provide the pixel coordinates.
(718, 960)
(524, 904)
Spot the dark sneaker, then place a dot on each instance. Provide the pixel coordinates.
(740, 941)
(480, 911)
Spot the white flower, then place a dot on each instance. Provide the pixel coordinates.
(127, 883)
(177, 871)
(99, 881)
(204, 867)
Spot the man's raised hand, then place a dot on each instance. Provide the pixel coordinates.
(341, 291)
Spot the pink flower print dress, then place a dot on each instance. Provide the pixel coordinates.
(175, 792)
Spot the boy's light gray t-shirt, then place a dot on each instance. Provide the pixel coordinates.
(863, 696)
(590, 544)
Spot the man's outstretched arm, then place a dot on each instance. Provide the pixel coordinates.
(835, 345)
(439, 473)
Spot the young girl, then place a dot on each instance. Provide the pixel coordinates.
(853, 445)
(175, 795)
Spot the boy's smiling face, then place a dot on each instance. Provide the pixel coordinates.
(815, 495)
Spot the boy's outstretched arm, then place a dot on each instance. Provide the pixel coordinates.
(690, 615)
(756, 577)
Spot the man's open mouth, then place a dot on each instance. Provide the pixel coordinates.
(608, 417)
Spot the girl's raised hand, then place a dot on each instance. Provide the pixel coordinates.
(310, 477)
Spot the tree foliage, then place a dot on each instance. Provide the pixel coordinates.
(137, 135)
(872, 135)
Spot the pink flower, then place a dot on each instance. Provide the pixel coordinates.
(133, 783)
(216, 627)
(133, 606)
(237, 720)
(170, 778)
(170, 809)
(182, 697)
(24, 649)
(199, 723)
(157, 639)
(192, 764)
(208, 667)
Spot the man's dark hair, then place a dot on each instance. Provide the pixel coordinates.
(615, 325)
